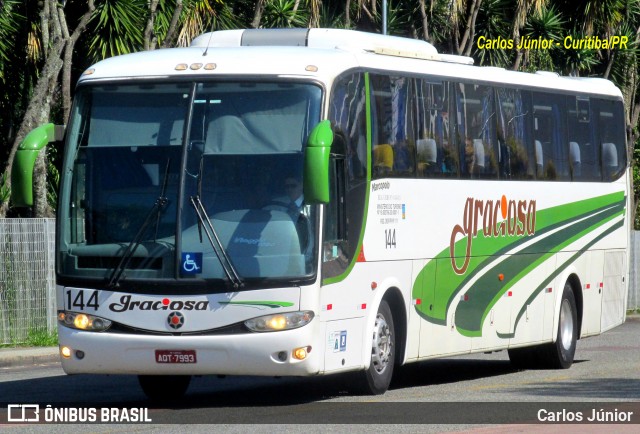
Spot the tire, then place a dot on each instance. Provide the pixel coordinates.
(556, 355)
(163, 388)
(376, 379)
(559, 355)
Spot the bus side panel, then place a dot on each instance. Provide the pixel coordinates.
(614, 291)
(357, 298)
(533, 306)
(416, 324)
(439, 338)
(592, 294)
(343, 344)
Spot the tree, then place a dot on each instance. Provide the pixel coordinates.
(284, 13)
(41, 89)
(200, 16)
(522, 10)
(257, 16)
(58, 44)
(14, 31)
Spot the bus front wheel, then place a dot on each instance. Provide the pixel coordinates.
(162, 388)
(376, 379)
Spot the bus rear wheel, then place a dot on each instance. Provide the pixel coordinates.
(376, 379)
(163, 388)
(558, 354)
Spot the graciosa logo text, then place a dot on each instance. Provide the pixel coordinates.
(496, 218)
(126, 303)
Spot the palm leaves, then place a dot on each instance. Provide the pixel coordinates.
(201, 16)
(284, 13)
(118, 27)
(9, 24)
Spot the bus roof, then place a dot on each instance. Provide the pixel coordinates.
(322, 54)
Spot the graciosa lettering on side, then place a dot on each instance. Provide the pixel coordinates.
(518, 219)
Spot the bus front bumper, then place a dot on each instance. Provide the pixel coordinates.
(269, 354)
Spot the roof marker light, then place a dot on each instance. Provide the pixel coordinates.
(311, 68)
(210, 66)
(89, 71)
(181, 67)
(195, 66)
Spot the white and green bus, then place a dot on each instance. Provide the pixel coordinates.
(314, 201)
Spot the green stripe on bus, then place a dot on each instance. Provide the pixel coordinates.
(486, 292)
(438, 272)
(559, 269)
(271, 304)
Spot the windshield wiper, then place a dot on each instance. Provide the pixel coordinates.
(155, 212)
(205, 223)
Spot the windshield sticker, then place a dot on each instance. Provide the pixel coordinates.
(191, 263)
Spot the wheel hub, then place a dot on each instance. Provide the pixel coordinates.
(381, 348)
(566, 325)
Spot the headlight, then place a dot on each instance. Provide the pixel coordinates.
(83, 321)
(279, 321)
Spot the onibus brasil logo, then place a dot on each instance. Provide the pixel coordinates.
(495, 218)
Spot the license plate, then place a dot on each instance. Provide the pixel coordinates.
(176, 356)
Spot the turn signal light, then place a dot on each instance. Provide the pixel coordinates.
(301, 353)
(66, 352)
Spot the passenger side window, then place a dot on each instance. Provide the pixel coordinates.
(475, 131)
(550, 146)
(517, 155)
(584, 158)
(394, 144)
(436, 155)
(614, 158)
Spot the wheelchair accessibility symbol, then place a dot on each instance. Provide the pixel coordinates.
(191, 263)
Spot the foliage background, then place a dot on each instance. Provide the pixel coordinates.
(46, 44)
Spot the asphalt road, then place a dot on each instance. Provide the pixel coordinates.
(453, 394)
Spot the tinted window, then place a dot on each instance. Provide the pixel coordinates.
(436, 155)
(393, 114)
(551, 148)
(475, 131)
(612, 139)
(517, 151)
(584, 158)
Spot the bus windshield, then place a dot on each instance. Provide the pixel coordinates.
(188, 181)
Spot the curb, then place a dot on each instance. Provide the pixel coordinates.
(13, 357)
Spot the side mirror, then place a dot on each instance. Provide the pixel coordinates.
(25, 159)
(316, 164)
